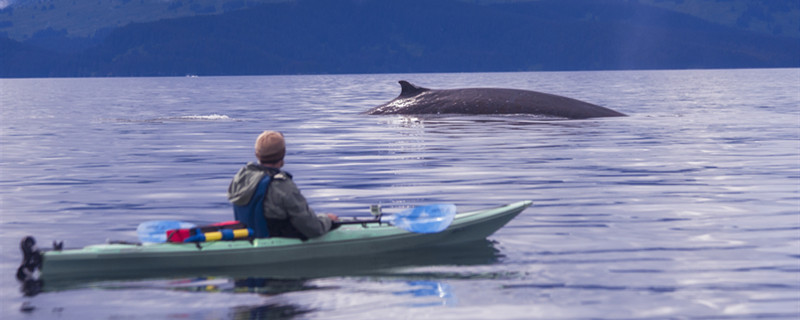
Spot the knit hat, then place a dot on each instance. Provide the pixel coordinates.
(270, 147)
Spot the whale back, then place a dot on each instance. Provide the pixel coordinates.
(414, 99)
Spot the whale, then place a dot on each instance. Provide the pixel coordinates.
(416, 100)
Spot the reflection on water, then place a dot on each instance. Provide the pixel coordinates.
(428, 288)
(276, 311)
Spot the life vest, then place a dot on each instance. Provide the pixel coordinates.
(252, 214)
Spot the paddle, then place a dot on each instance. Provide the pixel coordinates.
(423, 219)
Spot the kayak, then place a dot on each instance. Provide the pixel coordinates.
(126, 260)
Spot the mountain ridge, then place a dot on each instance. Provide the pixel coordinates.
(314, 37)
(21, 20)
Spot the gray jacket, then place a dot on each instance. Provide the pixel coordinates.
(283, 200)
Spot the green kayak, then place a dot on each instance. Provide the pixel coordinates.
(126, 260)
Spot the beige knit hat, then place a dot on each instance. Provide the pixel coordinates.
(270, 147)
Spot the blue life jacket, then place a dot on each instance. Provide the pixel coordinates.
(252, 214)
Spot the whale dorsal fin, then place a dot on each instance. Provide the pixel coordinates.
(409, 89)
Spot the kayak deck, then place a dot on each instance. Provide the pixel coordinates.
(126, 260)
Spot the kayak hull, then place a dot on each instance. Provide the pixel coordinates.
(129, 260)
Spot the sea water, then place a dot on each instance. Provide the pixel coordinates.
(687, 208)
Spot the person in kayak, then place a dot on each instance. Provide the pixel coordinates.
(285, 209)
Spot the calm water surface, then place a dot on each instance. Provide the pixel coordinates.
(689, 208)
